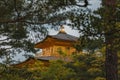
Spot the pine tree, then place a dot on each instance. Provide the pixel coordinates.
(22, 22)
(103, 25)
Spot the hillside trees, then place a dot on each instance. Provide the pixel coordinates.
(88, 67)
(83, 67)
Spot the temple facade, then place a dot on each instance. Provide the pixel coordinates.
(57, 45)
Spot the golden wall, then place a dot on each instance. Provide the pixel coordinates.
(58, 51)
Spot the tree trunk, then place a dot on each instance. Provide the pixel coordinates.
(111, 61)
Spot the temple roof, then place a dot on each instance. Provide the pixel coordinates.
(47, 58)
(64, 36)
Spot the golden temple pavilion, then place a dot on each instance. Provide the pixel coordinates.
(54, 47)
(57, 45)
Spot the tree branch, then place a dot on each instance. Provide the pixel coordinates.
(22, 19)
(4, 39)
(85, 4)
(15, 7)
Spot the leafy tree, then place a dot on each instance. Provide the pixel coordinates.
(57, 71)
(10, 73)
(88, 67)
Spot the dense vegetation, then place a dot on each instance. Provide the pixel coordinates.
(83, 67)
(23, 20)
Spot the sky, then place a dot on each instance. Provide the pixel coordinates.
(94, 4)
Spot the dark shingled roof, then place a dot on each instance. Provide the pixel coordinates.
(64, 36)
(47, 58)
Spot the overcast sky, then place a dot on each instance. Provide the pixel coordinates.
(94, 4)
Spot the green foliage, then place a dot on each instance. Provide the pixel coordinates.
(100, 78)
(62, 53)
(98, 29)
(57, 71)
(83, 67)
(87, 67)
(9, 73)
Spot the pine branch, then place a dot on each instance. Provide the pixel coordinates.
(16, 10)
(4, 39)
(85, 4)
(22, 19)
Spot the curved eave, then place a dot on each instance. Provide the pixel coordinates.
(53, 40)
(43, 42)
(64, 36)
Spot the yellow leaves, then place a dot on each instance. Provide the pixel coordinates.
(94, 71)
(79, 64)
(118, 24)
(100, 78)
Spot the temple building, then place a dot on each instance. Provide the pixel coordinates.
(57, 45)
(54, 47)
